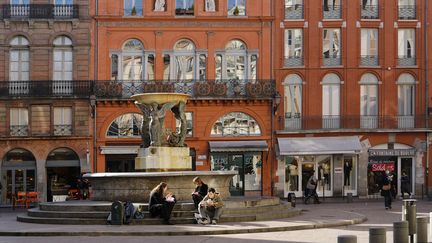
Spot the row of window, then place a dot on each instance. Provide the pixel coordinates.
(332, 9)
(23, 9)
(185, 7)
(61, 121)
(231, 124)
(332, 50)
(19, 59)
(183, 62)
(331, 101)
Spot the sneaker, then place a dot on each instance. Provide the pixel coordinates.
(202, 221)
(214, 221)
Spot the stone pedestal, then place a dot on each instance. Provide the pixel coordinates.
(159, 159)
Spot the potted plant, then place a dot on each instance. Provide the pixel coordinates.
(236, 11)
(133, 12)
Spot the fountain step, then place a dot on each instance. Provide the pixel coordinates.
(83, 206)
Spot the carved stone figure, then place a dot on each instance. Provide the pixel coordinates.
(145, 126)
(210, 6)
(160, 5)
(179, 114)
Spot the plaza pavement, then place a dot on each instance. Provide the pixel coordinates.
(318, 223)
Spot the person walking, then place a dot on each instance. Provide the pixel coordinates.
(210, 208)
(405, 184)
(160, 205)
(311, 187)
(386, 190)
(200, 191)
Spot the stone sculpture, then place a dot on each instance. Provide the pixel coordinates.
(210, 6)
(160, 5)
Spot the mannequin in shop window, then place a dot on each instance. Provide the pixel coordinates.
(347, 172)
(293, 175)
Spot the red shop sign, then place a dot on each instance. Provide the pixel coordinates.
(383, 167)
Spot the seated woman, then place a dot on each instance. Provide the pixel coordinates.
(200, 191)
(210, 208)
(160, 205)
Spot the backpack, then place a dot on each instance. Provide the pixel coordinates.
(128, 212)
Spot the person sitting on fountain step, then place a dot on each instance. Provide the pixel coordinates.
(200, 191)
(210, 208)
(160, 205)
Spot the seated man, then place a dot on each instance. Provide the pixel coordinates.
(200, 191)
(210, 208)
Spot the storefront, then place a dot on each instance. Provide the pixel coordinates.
(332, 160)
(246, 157)
(394, 158)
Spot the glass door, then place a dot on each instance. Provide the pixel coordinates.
(406, 165)
(324, 175)
(235, 163)
(19, 180)
(307, 170)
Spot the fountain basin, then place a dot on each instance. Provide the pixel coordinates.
(136, 186)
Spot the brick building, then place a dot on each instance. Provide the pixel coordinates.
(355, 96)
(44, 109)
(216, 51)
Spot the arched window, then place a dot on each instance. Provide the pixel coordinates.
(293, 101)
(133, 56)
(331, 101)
(19, 59)
(236, 62)
(62, 58)
(369, 101)
(127, 125)
(184, 62)
(236, 124)
(406, 100)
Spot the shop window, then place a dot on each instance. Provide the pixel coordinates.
(127, 125)
(236, 7)
(292, 173)
(350, 174)
(377, 168)
(236, 124)
(133, 8)
(189, 122)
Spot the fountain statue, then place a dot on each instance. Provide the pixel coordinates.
(163, 156)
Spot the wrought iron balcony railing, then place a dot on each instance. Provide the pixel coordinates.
(355, 122)
(184, 12)
(19, 130)
(294, 11)
(332, 61)
(62, 130)
(332, 12)
(369, 60)
(406, 61)
(293, 61)
(121, 89)
(40, 11)
(407, 12)
(369, 11)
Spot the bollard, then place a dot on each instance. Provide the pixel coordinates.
(377, 235)
(409, 213)
(422, 229)
(347, 239)
(349, 197)
(400, 232)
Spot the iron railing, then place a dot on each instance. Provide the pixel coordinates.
(369, 11)
(332, 60)
(293, 61)
(184, 12)
(40, 11)
(62, 130)
(19, 130)
(294, 11)
(406, 61)
(369, 60)
(332, 12)
(121, 89)
(355, 122)
(407, 12)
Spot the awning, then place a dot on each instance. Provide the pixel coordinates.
(119, 149)
(238, 146)
(62, 163)
(319, 145)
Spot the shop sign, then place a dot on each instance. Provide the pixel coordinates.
(392, 152)
(199, 163)
(202, 157)
(383, 167)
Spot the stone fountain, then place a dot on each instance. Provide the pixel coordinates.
(163, 156)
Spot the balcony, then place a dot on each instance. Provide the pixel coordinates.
(335, 60)
(407, 12)
(332, 12)
(55, 88)
(293, 61)
(369, 60)
(40, 11)
(294, 11)
(405, 61)
(369, 12)
(213, 89)
(63, 130)
(323, 123)
(19, 130)
(184, 12)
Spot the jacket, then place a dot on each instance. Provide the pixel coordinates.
(217, 200)
(202, 190)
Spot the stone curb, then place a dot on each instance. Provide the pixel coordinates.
(238, 230)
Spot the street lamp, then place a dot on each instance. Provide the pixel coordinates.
(277, 101)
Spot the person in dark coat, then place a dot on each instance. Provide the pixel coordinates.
(200, 191)
(386, 190)
(160, 205)
(405, 184)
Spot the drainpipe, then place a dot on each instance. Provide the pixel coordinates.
(96, 53)
(426, 63)
(272, 114)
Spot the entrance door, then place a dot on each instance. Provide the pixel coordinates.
(19, 180)
(307, 169)
(406, 165)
